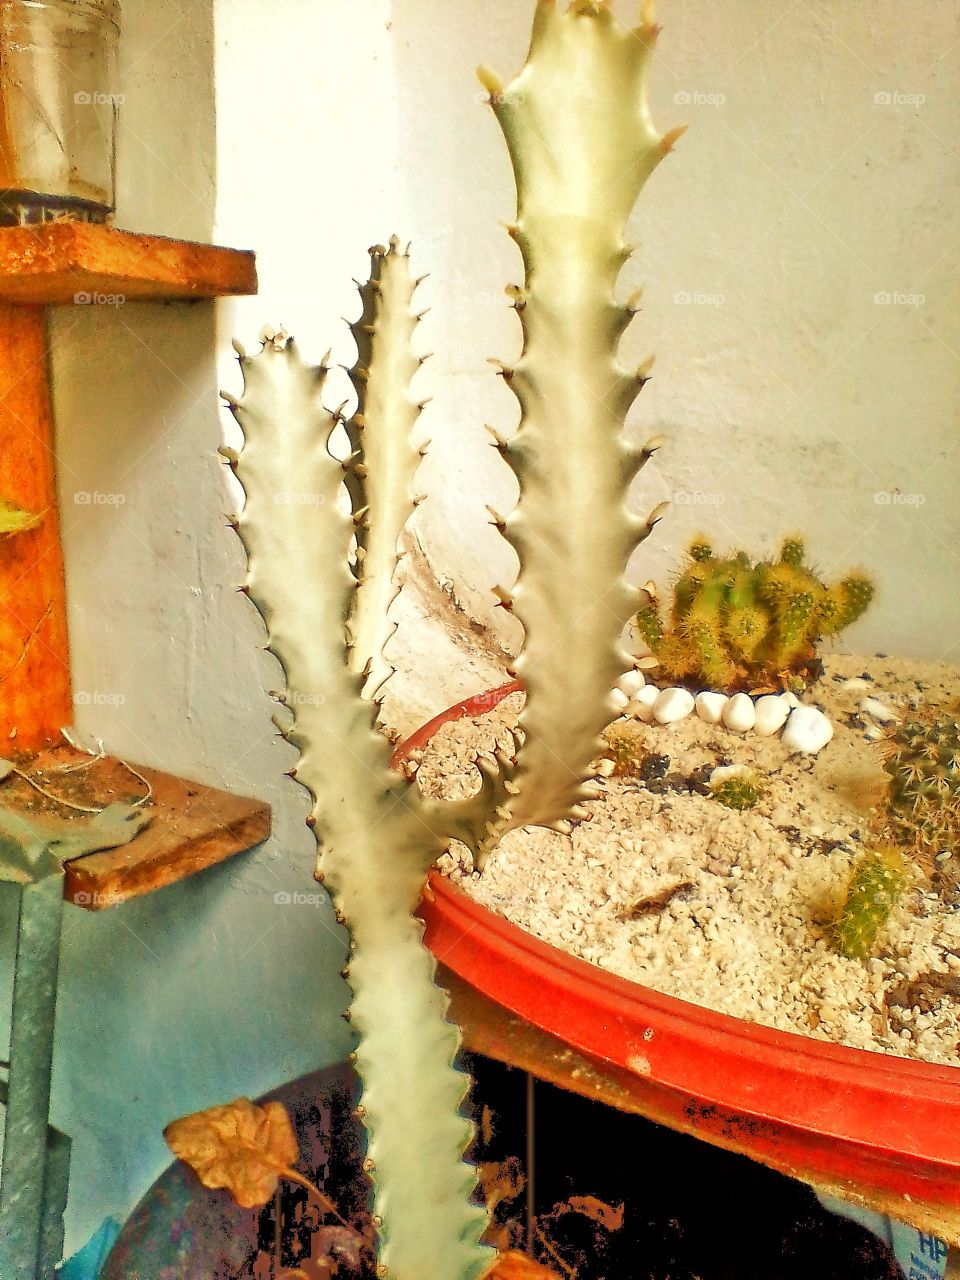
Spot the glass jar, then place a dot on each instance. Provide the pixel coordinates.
(58, 109)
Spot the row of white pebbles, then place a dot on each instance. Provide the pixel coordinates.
(803, 729)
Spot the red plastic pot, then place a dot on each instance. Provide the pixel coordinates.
(876, 1127)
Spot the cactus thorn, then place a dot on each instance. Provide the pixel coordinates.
(499, 441)
(360, 516)
(422, 404)
(244, 590)
(310, 821)
(420, 279)
(644, 370)
(422, 360)
(633, 302)
(425, 312)
(424, 448)
(671, 137)
(491, 82)
(239, 348)
(657, 514)
(504, 599)
(419, 499)
(291, 773)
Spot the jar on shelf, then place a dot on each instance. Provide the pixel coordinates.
(58, 109)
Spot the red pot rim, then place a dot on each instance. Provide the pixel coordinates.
(857, 1114)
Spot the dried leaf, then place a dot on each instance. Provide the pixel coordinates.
(13, 520)
(239, 1146)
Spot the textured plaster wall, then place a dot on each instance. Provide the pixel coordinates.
(791, 396)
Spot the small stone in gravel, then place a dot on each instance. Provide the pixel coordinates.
(641, 706)
(878, 711)
(710, 706)
(631, 683)
(619, 699)
(772, 712)
(739, 714)
(673, 705)
(808, 731)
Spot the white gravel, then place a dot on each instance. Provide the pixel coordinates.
(747, 933)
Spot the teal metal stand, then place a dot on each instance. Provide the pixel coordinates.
(36, 1158)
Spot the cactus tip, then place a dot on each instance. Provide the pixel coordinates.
(671, 137)
(491, 82)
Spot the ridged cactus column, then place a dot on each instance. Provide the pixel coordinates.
(582, 145)
(323, 579)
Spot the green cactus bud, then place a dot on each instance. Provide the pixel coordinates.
(648, 623)
(700, 549)
(741, 790)
(875, 885)
(793, 551)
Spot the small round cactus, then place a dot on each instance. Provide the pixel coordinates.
(875, 885)
(922, 757)
(739, 790)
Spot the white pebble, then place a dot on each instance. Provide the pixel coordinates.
(631, 683)
(878, 711)
(772, 712)
(619, 698)
(672, 705)
(873, 733)
(641, 707)
(740, 714)
(791, 699)
(808, 731)
(856, 685)
(605, 768)
(710, 706)
(647, 663)
(725, 771)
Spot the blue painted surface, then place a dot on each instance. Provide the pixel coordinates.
(197, 994)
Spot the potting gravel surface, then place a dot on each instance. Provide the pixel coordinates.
(732, 910)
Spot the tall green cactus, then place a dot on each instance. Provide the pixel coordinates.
(582, 143)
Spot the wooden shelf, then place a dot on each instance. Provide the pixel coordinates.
(54, 263)
(192, 826)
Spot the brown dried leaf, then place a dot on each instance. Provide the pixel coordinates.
(239, 1146)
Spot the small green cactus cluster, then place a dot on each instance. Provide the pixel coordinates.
(738, 791)
(735, 624)
(877, 880)
(922, 757)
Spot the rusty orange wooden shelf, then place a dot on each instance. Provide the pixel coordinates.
(52, 264)
(192, 827)
(64, 263)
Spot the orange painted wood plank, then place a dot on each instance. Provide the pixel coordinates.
(35, 699)
(67, 262)
(192, 826)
